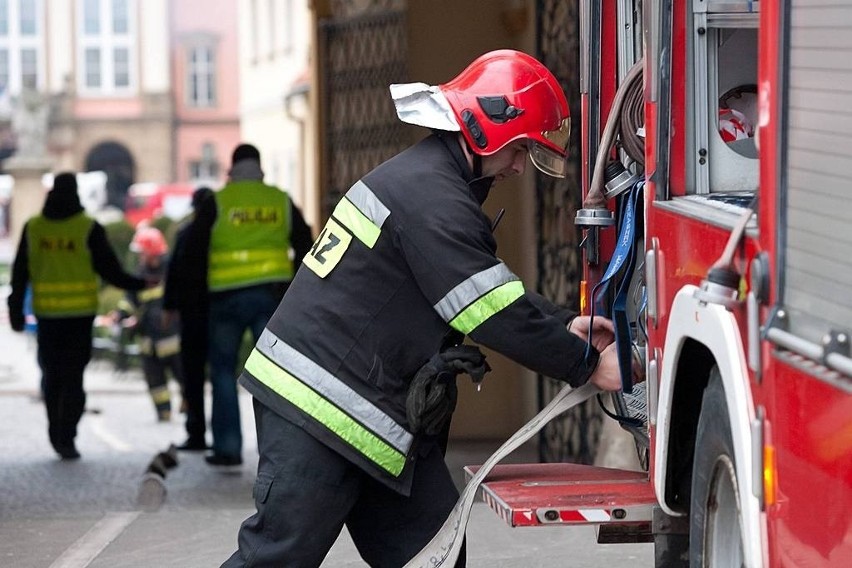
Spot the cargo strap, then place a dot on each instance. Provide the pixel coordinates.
(622, 263)
(445, 546)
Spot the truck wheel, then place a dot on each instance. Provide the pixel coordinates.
(716, 538)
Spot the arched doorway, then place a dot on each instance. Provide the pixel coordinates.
(116, 161)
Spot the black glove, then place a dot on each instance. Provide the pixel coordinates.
(432, 394)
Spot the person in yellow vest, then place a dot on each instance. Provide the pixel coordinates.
(250, 244)
(159, 343)
(63, 253)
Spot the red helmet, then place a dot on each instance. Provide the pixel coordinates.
(507, 95)
(503, 96)
(149, 241)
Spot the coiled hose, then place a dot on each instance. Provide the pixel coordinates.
(626, 117)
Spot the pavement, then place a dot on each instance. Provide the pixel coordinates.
(86, 513)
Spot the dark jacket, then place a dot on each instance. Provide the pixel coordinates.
(186, 280)
(61, 205)
(407, 257)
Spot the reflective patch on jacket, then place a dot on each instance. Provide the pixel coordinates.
(331, 402)
(479, 297)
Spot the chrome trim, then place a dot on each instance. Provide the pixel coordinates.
(651, 283)
(753, 313)
(816, 353)
(757, 456)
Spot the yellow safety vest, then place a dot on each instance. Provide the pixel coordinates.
(60, 265)
(250, 240)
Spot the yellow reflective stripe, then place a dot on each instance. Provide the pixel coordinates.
(161, 395)
(475, 314)
(146, 346)
(53, 287)
(333, 418)
(151, 294)
(248, 267)
(246, 255)
(350, 217)
(65, 304)
(167, 346)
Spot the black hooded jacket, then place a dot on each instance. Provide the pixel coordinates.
(62, 203)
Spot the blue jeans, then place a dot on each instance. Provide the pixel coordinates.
(231, 313)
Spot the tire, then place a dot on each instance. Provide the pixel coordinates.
(716, 528)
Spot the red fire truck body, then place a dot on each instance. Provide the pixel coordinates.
(743, 323)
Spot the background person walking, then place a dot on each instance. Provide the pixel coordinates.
(62, 252)
(256, 239)
(186, 294)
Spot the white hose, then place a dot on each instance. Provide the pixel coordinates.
(445, 546)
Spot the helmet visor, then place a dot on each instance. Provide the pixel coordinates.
(545, 157)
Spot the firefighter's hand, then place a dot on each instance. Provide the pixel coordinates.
(607, 375)
(603, 334)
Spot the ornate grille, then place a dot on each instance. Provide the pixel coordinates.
(364, 49)
(572, 437)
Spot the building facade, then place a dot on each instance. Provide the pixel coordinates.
(275, 76)
(145, 93)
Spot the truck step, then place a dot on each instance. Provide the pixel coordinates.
(527, 495)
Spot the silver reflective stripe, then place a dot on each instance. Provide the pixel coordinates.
(367, 203)
(472, 289)
(334, 390)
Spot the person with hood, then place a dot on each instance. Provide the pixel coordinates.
(250, 240)
(63, 253)
(353, 378)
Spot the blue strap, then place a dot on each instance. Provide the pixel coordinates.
(623, 336)
(622, 263)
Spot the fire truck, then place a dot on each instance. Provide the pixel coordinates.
(717, 235)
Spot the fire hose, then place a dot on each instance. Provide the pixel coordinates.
(445, 546)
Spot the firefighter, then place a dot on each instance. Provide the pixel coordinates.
(248, 246)
(62, 252)
(406, 263)
(159, 344)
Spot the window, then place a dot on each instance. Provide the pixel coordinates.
(4, 69)
(207, 168)
(121, 67)
(4, 17)
(91, 17)
(201, 71)
(21, 44)
(29, 68)
(28, 17)
(120, 23)
(106, 49)
(93, 67)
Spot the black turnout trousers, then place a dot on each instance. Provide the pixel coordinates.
(305, 493)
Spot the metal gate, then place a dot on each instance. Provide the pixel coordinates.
(363, 51)
(574, 436)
